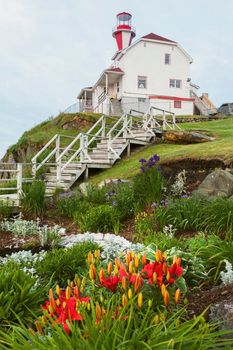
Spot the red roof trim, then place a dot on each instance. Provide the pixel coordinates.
(172, 98)
(153, 36)
(117, 70)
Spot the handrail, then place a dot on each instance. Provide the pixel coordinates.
(68, 147)
(44, 148)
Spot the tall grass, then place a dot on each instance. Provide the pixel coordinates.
(33, 199)
(134, 332)
(195, 214)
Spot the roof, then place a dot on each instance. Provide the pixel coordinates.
(156, 37)
(116, 70)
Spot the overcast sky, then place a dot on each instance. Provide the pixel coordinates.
(50, 49)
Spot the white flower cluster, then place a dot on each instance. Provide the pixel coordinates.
(179, 188)
(169, 231)
(23, 228)
(227, 277)
(112, 245)
(25, 260)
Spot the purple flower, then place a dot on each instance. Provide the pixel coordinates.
(142, 160)
(154, 205)
(151, 164)
(143, 169)
(156, 158)
(184, 196)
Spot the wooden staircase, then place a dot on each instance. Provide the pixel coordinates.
(61, 166)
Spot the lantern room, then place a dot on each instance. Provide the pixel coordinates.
(123, 32)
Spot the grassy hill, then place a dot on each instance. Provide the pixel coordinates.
(221, 147)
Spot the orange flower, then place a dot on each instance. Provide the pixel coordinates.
(124, 300)
(138, 283)
(158, 256)
(166, 298)
(101, 274)
(92, 272)
(90, 258)
(124, 282)
(110, 266)
(130, 293)
(177, 296)
(98, 311)
(144, 260)
(140, 300)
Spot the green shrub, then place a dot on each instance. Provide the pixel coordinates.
(148, 185)
(124, 200)
(67, 207)
(96, 195)
(194, 214)
(59, 265)
(103, 218)
(19, 298)
(33, 200)
(213, 256)
(5, 210)
(183, 214)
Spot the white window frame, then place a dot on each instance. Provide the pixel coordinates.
(175, 83)
(142, 85)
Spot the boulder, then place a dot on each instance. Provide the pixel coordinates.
(112, 181)
(186, 137)
(217, 184)
(223, 312)
(84, 187)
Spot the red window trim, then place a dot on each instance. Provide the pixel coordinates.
(172, 98)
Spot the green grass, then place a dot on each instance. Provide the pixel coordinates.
(42, 133)
(221, 147)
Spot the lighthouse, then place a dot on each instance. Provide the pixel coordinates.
(123, 32)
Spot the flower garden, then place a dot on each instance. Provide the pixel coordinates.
(139, 265)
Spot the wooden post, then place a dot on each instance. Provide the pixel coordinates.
(58, 146)
(86, 174)
(19, 180)
(103, 126)
(164, 120)
(128, 150)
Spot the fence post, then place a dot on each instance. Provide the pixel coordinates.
(125, 124)
(103, 126)
(34, 169)
(19, 180)
(58, 146)
(164, 120)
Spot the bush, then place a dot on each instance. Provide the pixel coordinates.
(183, 214)
(19, 298)
(96, 195)
(148, 185)
(33, 199)
(5, 210)
(103, 218)
(62, 264)
(194, 214)
(124, 200)
(67, 207)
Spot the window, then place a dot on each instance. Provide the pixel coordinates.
(142, 82)
(167, 59)
(177, 104)
(174, 83)
(141, 99)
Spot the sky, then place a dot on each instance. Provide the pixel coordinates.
(50, 49)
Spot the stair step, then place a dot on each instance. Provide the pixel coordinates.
(116, 141)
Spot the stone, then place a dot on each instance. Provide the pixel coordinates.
(112, 181)
(217, 184)
(84, 188)
(186, 137)
(223, 312)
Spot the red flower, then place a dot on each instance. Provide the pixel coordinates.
(110, 282)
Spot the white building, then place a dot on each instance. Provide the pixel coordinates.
(151, 71)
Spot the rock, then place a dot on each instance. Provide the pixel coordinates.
(84, 188)
(217, 184)
(112, 181)
(186, 137)
(223, 312)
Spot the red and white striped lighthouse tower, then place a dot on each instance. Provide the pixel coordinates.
(123, 32)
